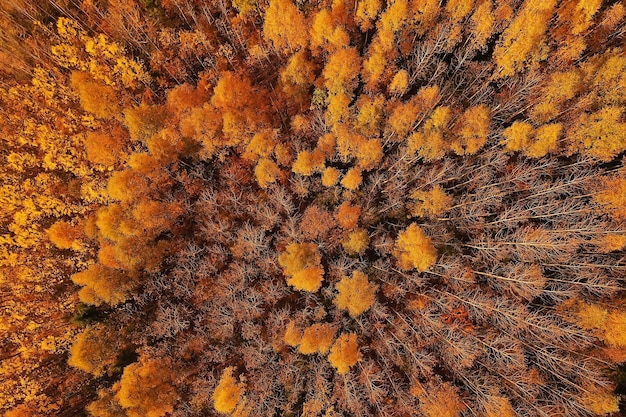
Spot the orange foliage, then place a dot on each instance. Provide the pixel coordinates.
(347, 215)
(345, 353)
(65, 236)
(146, 391)
(104, 284)
(317, 338)
(330, 176)
(95, 96)
(228, 392)
(95, 350)
(302, 262)
(356, 294)
(285, 26)
(442, 401)
(266, 172)
(352, 180)
(356, 242)
(414, 249)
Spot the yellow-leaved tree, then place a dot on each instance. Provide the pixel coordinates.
(355, 294)
(302, 263)
(345, 353)
(146, 389)
(414, 250)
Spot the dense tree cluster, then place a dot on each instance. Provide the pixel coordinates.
(295, 208)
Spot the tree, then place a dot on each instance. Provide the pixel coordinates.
(345, 353)
(356, 294)
(601, 134)
(356, 242)
(95, 96)
(285, 26)
(431, 203)
(472, 130)
(353, 179)
(228, 393)
(414, 249)
(103, 284)
(146, 389)
(317, 338)
(440, 401)
(266, 172)
(65, 235)
(521, 41)
(302, 263)
(95, 350)
(347, 215)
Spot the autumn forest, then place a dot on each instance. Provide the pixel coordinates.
(316, 208)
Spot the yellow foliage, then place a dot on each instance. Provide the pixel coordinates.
(366, 13)
(546, 140)
(94, 350)
(560, 87)
(404, 115)
(482, 24)
(400, 83)
(517, 136)
(228, 392)
(369, 154)
(309, 162)
(330, 176)
(356, 242)
(430, 203)
(345, 353)
(430, 143)
(285, 26)
(499, 407)
(299, 70)
(105, 405)
(144, 121)
(583, 14)
(104, 284)
(458, 9)
(611, 242)
(317, 338)
(266, 172)
(613, 196)
(601, 134)
(600, 401)
(65, 236)
(95, 96)
(337, 108)
(356, 294)
(591, 316)
(522, 38)
(146, 390)
(127, 185)
(472, 130)
(370, 115)
(342, 70)
(166, 145)
(441, 401)
(302, 262)
(352, 180)
(327, 33)
(414, 249)
(615, 329)
(293, 334)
